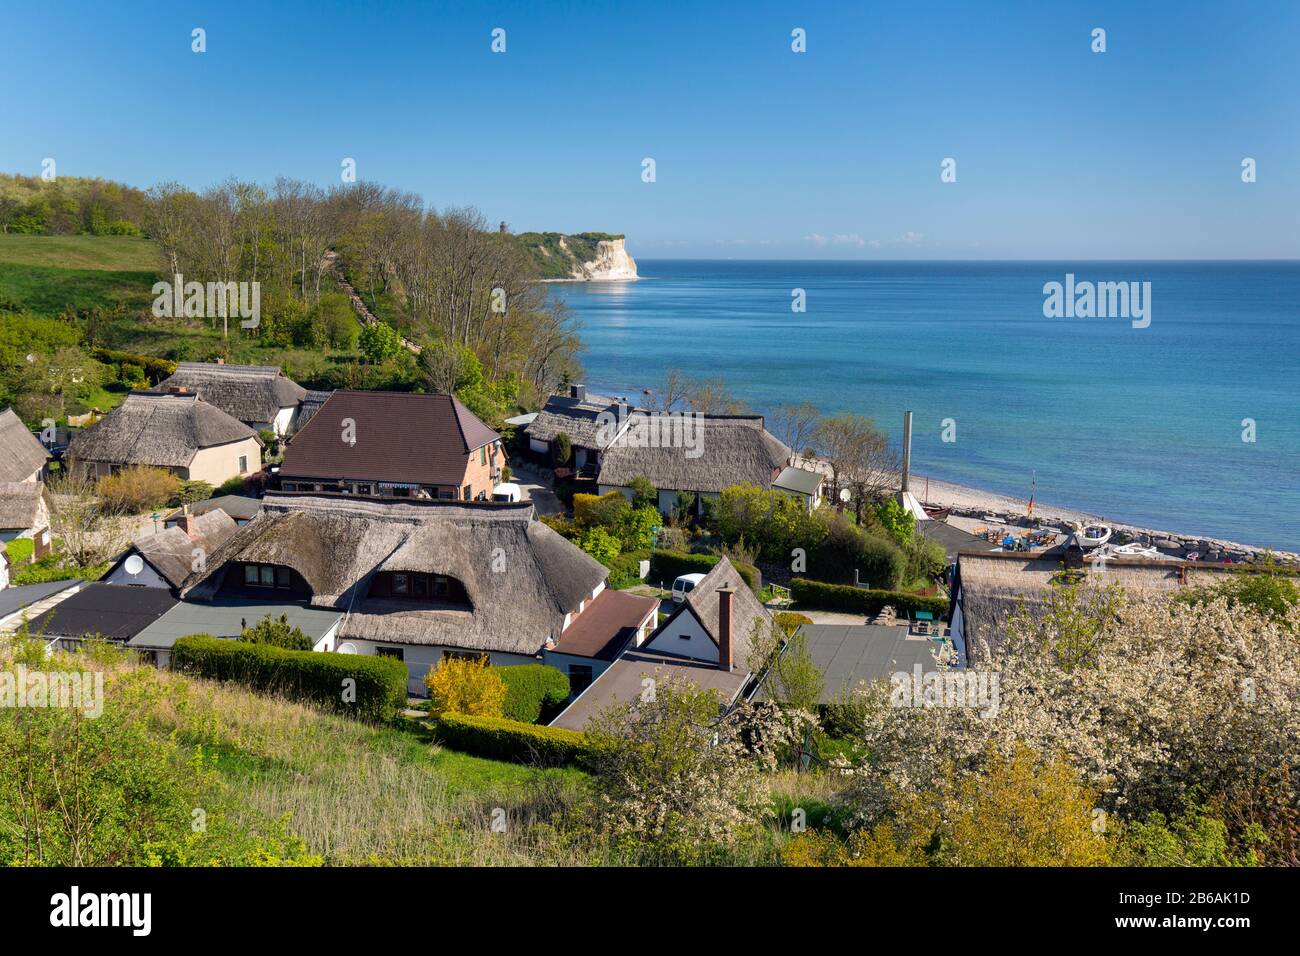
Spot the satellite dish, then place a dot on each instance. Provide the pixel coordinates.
(134, 565)
(844, 495)
(347, 649)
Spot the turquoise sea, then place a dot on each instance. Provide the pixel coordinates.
(1138, 425)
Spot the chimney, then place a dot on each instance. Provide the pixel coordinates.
(186, 522)
(907, 448)
(178, 390)
(724, 628)
(579, 392)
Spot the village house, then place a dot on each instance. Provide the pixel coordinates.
(166, 558)
(180, 433)
(590, 421)
(101, 611)
(25, 514)
(22, 457)
(801, 483)
(416, 580)
(240, 507)
(707, 641)
(394, 444)
(260, 396)
(700, 454)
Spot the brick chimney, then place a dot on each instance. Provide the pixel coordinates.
(725, 646)
(185, 521)
(178, 390)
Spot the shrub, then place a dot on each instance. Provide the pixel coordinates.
(369, 688)
(20, 551)
(231, 486)
(461, 685)
(666, 566)
(625, 570)
(846, 547)
(644, 493)
(156, 368)
(601, 511)
(845, 597)
(503, 739)
(138, 488)
(561, 449)
(790, 621)
(191, 491)
(379, 342)
(533, 692)
(601, 545)
(55, 567)
(277, 632)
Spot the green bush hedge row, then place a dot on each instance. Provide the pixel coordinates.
(666, 566)
(533, 690)
(377, 693)
(845, 597)
(156, 368)
(623, 572)
(503, 739)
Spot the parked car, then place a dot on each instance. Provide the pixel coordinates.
(684, 585)
(507, 491)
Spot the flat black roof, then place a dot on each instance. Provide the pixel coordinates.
(15, 599)
(116, 612)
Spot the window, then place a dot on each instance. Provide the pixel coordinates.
(579, 678)
(421, 583)
(467, 493)
(463, 656)
(482, 455)
(401, 584)
(445, 494)
(439, 586)
(243, 464)
(267, 576)
(394, 652)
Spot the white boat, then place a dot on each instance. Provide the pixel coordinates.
(1135, 550)
(1092, 536)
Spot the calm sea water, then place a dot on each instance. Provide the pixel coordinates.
(1139, 425)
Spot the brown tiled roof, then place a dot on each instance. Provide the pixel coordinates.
(606, 626)
(400, 436)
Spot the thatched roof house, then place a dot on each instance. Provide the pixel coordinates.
(464, 576)
(707, 641)
(590, 421)
(181, 433)
(169, 556)
(257, 395)
(990, 587)
(406, 444)
(22, 457)
(702, 454)
(22, 507)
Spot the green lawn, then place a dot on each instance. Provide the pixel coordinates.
(103, 253)
(49, 290)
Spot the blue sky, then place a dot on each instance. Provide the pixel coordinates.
(760, 152)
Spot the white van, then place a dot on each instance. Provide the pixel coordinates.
(684, 585)
(507, 491)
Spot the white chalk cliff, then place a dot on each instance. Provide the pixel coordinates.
(612, 263)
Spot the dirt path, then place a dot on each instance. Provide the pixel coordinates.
(364, 315)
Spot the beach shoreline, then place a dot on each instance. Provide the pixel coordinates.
(976, 501)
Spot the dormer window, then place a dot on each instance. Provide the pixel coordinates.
(266, 576)
(415, 585)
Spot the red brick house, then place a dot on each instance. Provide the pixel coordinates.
(394, 445)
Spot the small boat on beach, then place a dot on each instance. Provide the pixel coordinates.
(1092, 536)
(937, 512)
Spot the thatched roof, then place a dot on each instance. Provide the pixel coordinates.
(707, 453)
(579, 418)
(21, 455)
(520, 576)
(311, 404)
(747, 611)
(20, 504)
(250, 393)
(400, 437)
(171, 551)
(156, 429)
(995, 586)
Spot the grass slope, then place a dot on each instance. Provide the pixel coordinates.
(105, 253)
(46, 274)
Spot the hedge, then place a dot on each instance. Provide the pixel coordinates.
(624, 571)
(156, 368)
(667, 566)
(533, 689)
(503, 739)
(314, 676)
(845, 597)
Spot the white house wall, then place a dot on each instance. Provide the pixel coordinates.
(686, 637)
(421, 658)
(147, 577)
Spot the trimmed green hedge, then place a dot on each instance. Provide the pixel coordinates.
(623, 569)
(156, 368)
(503, 739)
(667, 566)
(845, 597)
(314, 676)
(533, 689)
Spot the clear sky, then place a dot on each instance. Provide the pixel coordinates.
(760, 152)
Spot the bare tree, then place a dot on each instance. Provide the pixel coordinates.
(84, 531)
(795, 425)
(860, 458)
